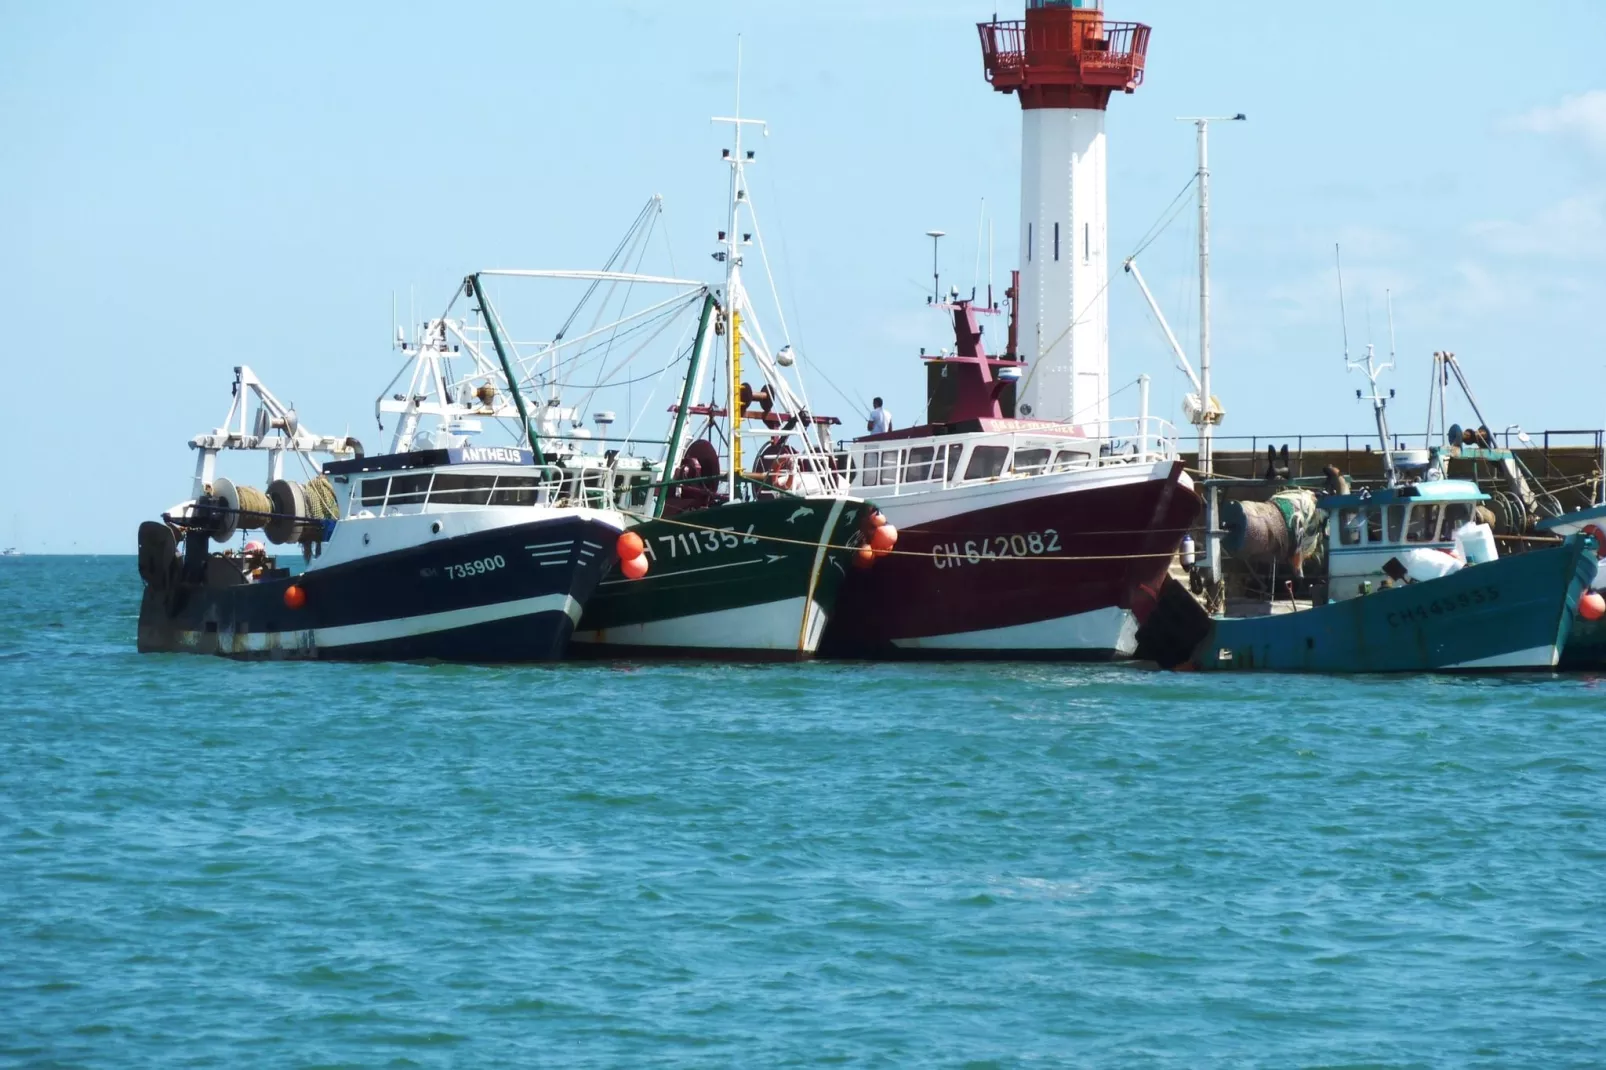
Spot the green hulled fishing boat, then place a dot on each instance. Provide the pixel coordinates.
(745, 544)
(756, 578)
(743, 529)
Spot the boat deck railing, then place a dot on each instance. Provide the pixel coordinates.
(892, 467)
(385, 494)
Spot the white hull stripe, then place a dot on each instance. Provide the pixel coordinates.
(804, 642)
(689, 571)
(381, 631)
(1539, 657)
(1098, 629)
(768, 626)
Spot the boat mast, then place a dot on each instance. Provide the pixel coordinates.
(478, 288)
(1208, 414)
(688, 397)
(735, 296)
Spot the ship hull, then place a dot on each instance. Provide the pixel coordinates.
(509, 594)
(1510, 615)
(1586, 646)
(751, 580)
(1051, 567)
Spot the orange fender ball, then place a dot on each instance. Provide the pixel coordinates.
(634, 567)
(295, 597)
(864, 557)
(883, 539)
(629, 545)
(1592, 606)
(877, 518)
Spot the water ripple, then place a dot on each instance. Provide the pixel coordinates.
(216, 864)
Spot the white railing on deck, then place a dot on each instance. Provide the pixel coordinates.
(1144, 440)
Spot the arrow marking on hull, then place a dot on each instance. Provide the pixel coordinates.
(683, 572)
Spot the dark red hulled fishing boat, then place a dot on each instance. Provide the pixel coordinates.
(1017, 538)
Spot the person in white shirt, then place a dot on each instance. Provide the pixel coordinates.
(880, 419)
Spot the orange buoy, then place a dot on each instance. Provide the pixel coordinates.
(864, 558)
(1592, 606)
(634, 567)
(629, 545)
(877, 518)
(883, 539)
(294, 597)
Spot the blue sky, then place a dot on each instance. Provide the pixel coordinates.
(192, 186)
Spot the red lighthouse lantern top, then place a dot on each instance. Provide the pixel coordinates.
(1064, 54)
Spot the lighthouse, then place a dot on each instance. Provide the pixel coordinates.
(1063, 61)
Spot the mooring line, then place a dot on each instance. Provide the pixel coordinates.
(934, 555)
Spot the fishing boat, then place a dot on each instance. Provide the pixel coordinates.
(1509, 613)
(741, 530)
(1031, 522)
(748, 539)
(438, 549)
(1018, 538)
(1414, 582)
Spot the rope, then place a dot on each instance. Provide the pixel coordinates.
(933, 555)
(321, 501)
(254, 507)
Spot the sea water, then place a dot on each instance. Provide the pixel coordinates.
(209, 863)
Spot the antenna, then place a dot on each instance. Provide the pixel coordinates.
(936, 284)
(1388, 296)
(990, 265)
(1342, 317)
(981, 226)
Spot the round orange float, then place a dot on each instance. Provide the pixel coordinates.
(629, 545)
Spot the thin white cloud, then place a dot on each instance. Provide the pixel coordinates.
(1573, 228)
(1581, 116)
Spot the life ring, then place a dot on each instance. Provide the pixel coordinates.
(1594, 531)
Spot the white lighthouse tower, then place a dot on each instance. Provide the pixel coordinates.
(1063, 61)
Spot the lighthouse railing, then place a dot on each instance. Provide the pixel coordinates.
(1119, 49)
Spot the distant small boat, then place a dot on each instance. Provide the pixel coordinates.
(10, 551)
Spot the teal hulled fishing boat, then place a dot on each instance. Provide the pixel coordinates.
(1511, 614)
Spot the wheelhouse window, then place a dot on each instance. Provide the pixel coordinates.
(453, 489)
(1349, 527)
(917, 469)
(374, 491)
(1423, 525)
(987, 462)
(1030, 462)
(1455, 514)
(524, 490)
(872, 468)
(1065, 460)
(1396, 518)
(409, 490)
(1374, 525)
(889, 467)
